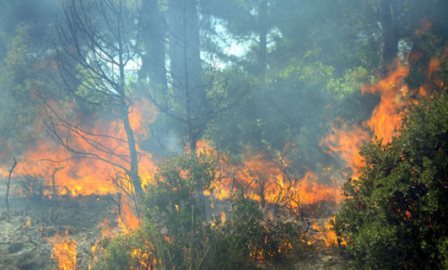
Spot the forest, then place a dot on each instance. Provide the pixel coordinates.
(223, 134)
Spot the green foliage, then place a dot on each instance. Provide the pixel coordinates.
(395, 215)
(182, 231)
(350, 83)
(19, 83)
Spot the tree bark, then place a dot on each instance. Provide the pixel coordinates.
(124, 107)
(153, 37)
(133, 172)
(388, 11)
(186, 68)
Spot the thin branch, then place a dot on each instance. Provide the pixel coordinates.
(8, 185)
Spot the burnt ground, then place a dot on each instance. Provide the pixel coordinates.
(25, 236)
(33, 221)
(324, 259)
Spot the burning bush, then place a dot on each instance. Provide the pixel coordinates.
(183, 229)
(395, 216)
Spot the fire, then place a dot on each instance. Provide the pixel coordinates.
(385, 121)
(434, 65)
(387, 117)
(223, 217)
(100, 170)
(106, 232)
(3, 172)
(267, 182)
(347, 141)
(311, 192)
(100, 153)
(127, 221)
(325, 234)
(64, 252)
(145, 259)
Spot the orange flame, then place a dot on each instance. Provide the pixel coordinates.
(311, 192)
(64, 252)
(267, 182)
(326, 234)
(96, 172)
(100, 171)
(384, 123)
(127, 221)
(346, 142)
(144, 258)
(387, 116)
(434, 65)
(106, 231)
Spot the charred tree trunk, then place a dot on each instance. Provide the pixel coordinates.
(124, 107)
(133, 154)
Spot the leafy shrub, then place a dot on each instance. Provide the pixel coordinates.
(395, 216)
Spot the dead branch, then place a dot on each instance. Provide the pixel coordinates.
(8, 185)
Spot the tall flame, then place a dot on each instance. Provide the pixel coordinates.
(384, 122)
(387, 117)
(64, 252)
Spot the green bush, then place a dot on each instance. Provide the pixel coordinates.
(395, 216)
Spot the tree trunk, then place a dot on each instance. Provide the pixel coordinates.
(153, 37)
(133, 172)
(124, 109)
(186, 68)
(263, 32)
(388, 11)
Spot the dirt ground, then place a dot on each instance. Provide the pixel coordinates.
(26, 233)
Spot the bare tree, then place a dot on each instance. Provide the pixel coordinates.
(97, 43)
